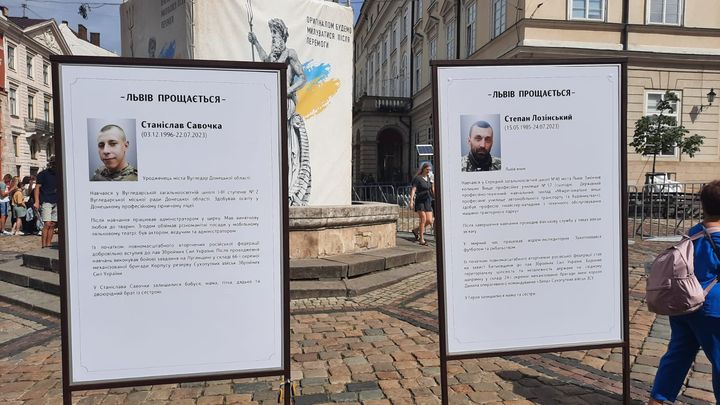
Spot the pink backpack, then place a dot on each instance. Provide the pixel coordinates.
(672, 288)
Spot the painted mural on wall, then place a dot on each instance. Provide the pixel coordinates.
(155, 29)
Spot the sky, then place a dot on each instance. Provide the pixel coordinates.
(104, 17)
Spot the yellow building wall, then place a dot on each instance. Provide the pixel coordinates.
(692, 85)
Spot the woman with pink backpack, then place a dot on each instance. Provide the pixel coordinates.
(700, 328)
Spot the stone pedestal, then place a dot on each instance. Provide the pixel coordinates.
(317, 232)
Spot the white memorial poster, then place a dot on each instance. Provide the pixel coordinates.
(174, 220)
(315, 39)
(530, 169)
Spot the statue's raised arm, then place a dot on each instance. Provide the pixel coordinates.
(254, 42)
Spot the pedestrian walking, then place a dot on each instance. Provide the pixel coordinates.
(421, 196)
(46, 201)
(701, 328)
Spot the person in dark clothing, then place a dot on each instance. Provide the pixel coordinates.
(46, 201)
(421, 196)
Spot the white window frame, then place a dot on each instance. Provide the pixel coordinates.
(586, 10)
(450, 46)
(46, 73)
(650, 110)
(498, 20)
(664, 14)
(418, 70)
(470, 28)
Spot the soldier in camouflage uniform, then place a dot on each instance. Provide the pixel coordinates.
(478, 159)
(112, 147)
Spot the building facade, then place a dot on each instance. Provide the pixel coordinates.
(26, 124)
(669, 44)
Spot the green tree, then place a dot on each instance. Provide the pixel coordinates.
(659, 132)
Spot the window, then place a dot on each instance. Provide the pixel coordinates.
(664, 11)
(499, 12)
(418, 70)
(29, 63)
(31, 107)
(588, 9)
(418, 10)
(384, 50)
(393, 80)
(46, 110)
(46, 73)
(470, 27)
(50, 149)
(393, 37)
(450, 35)
(33, 150)
(433, 47)
(403, 75)
(11, 57)
(383, 83)
(16, 144)
(430, 135)
(12, 95)
(651, 101)
(404, 29)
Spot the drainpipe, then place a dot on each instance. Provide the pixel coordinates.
(625, 19)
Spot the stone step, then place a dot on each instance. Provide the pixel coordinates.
(14, 272)
(29, 298)
(355, 286)
(42, 259)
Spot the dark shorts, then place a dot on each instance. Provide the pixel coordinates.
(424, 205)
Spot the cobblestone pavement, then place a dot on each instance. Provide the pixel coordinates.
(375, 349)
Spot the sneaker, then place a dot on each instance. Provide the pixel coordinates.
(19, 233)
(4, 232)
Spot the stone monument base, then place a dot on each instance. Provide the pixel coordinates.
(317, 232)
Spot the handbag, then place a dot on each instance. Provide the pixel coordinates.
(29, 215)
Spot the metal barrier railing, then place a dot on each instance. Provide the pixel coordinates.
(654, 210)
(408, 219)
(377, 193)
(664, 210)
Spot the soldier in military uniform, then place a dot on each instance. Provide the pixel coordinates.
(112, 146)
(478, 159)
